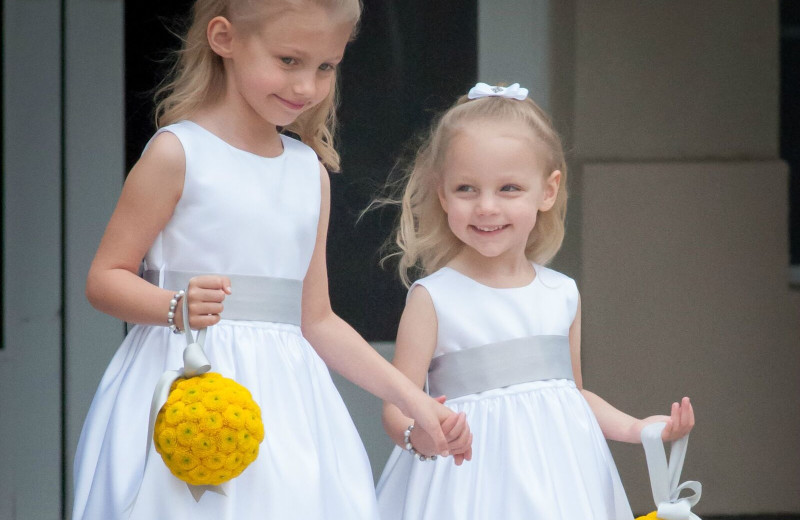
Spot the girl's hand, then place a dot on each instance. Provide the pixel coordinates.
(204, 295)
(429, 417)
(459, 438)
(679, 423)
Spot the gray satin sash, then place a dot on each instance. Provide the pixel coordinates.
(253, 298)
(497, 365)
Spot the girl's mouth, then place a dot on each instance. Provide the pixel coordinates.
(291, 105)
(490, 229)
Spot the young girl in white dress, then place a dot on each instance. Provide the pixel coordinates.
(224, 206)
(496, 332)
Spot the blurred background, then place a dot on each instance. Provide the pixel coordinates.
(682, 126)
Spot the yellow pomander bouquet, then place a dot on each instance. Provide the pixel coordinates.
(649, 516)
(209, 429)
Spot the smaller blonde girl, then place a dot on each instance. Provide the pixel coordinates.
(497, 334)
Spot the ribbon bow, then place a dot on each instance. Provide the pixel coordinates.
(511, 92)
(664, 477)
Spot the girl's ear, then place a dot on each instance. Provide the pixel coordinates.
(551, 184)
(220, 36)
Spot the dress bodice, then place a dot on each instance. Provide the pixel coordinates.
(470, 314)
(240, 213)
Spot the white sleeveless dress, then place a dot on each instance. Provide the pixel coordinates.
(537, 452)
(239, 214)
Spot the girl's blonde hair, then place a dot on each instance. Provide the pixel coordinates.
(198, 77)
(423, 239)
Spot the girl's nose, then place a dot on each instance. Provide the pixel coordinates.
(304, 85)
(486, 205)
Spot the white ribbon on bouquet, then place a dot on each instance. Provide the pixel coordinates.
(664, 477)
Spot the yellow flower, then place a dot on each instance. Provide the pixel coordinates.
(199, 475)
(203, 446)
(213, 421)
(255, 426)
(227, 440)
(214, 461)
(233, 461)
(195, 411)
(211, 381)
(215, 400)
(174, 413)
(192, 395)
(221, 475)
(234, 416)
(167, 440)
(185, 460)
(175, 395)
(649, 516)
(209, 429)
(186, 432)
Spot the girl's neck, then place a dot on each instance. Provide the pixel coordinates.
(240, 129)
(495, 272)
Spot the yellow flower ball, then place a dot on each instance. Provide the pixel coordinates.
(209, 430)
(649, 516)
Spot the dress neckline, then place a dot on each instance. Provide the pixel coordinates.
(533, 282)
(241, 150)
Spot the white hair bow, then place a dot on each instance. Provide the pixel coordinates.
(511, 92)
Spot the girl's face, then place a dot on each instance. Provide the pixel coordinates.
(494, 182)
(288, 64)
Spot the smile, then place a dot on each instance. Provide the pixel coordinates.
(489, 229)
(291, 105)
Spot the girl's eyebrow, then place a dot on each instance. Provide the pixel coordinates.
(297, 51)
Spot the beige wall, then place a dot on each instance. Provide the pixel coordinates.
(682, 252)
(677, 226)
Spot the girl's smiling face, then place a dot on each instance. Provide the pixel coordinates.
(494, 183)
(287, 64)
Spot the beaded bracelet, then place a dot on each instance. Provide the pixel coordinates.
(173, 304)
(410, 447)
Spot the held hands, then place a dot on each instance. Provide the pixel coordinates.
(679, 423)
(205, 295)
(456, 432)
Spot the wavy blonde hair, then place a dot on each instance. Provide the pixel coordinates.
(423, 240)
(197, 76)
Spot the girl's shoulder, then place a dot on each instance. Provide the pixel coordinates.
(553, 279)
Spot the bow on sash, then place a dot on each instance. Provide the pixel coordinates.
(664, 477)
(511, 92)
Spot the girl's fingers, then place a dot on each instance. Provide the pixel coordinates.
(203, 321)
(206, 295)
(450, 426)
(211, 281)
(676, 417)
(459, 421)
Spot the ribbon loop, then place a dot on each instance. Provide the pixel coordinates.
(665, 477)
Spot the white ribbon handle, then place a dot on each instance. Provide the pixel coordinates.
(664, 477)
(195, 363)
(511, 92)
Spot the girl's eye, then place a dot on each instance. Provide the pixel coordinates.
(465, 188)
(288, 61)
(510, 187)
(327, 67)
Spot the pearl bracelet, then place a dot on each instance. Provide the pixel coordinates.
(173, 304)
(410, 447)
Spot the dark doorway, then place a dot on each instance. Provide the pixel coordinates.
(790, 117)
(411, 59)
